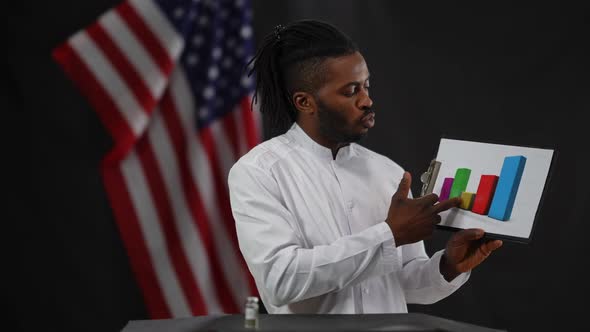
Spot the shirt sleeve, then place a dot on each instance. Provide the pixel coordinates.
(420, 275)
(283, 267)
(421, 278)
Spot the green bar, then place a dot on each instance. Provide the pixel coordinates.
(460, 183)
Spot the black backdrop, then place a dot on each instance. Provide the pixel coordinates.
(507, 73)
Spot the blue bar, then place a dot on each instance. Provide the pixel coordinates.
(507, 188)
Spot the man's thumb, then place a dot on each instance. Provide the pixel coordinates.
(404, 186)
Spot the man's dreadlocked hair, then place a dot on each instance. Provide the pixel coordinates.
(289, 60)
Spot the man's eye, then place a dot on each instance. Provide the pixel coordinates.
(351, 92)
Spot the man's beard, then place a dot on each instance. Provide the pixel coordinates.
(334, 127)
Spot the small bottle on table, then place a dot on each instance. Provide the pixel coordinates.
(251, 313)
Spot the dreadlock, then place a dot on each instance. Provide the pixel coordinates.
(290, 60)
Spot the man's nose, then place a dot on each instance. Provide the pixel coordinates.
(365, 102)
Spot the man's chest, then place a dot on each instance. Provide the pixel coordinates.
(332, 200)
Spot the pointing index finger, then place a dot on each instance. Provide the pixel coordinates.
(428, 200)
(445, 205)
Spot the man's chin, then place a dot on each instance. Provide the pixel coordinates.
(358, 137)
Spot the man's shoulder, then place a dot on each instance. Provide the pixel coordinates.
(266, 154)
(367, 153)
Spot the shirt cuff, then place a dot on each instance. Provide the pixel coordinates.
(439, 280)
(390, 260)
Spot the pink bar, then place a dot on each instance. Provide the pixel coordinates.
(446, 189)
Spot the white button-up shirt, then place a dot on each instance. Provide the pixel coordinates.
(312, 230)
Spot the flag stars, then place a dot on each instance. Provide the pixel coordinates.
(227, 63)
(178, 13)
(192, 15)
(197, 40)
(208, 93)
(246, 81)
(212, 4)
(203, 21)
(203, 112)
(214, 59)
(246, 32)
(216, 53)
(213, 73)
(192, 59)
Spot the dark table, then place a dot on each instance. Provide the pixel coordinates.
(371, 322)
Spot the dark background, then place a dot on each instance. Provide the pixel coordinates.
(505, 73)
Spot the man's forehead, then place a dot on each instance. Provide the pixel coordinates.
(347, 68)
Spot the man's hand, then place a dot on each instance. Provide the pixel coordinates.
(413, 220)
(464, 251)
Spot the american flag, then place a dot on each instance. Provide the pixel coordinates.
(167, 80)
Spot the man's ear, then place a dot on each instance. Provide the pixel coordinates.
(304, 102)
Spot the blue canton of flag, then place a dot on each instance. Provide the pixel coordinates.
(219, 44)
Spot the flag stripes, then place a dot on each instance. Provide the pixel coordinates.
(165, 179)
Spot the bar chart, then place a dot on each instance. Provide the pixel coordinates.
(495, 195)
(501, 186)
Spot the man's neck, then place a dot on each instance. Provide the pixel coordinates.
(314, 133)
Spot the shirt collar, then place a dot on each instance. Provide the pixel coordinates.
(298, 135)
